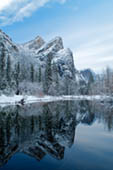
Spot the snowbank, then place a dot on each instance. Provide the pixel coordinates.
(16, 99)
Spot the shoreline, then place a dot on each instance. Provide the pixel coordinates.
(17, 99)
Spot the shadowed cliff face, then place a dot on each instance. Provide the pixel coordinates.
(37, 130)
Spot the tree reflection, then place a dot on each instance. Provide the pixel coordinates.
(47, 129)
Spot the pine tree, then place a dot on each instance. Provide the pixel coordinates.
(8, 70)
(17, 74)
(2, 69)
(67, 86)
(40, 75)
(32, 73)
(25, 74)
(56, 77)
(2, 63)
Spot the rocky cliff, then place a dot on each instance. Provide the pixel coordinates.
(47, 63)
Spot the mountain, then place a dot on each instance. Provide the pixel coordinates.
(38, 66)
(34, 44)
(89, 75)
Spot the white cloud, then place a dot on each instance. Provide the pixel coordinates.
(92, 49)
(16, 10)
(4, 4)
(106, 59)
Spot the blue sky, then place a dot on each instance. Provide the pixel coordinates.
(86, 26)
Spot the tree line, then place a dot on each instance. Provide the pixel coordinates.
(12, 75)
(103, 83)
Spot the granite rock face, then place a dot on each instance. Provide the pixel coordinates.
(49, 60)
(34, 44)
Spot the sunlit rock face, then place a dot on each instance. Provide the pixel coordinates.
(34, 44)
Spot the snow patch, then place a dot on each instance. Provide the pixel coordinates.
(16, 100)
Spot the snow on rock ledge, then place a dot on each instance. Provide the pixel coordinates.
(64, 60)
(54, 45)
(35, 44)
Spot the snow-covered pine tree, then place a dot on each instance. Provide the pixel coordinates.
(8, 70)
(32, 73)
(2, 68)
(55, 76)
(2, 61)
(17, 75)
(40, 75)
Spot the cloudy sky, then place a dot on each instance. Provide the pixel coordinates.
(86, 26)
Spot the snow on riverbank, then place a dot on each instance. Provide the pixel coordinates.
(16, 99)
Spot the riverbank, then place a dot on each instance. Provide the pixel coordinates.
(20, 99)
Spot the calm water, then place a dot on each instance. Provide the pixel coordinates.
(57, 136)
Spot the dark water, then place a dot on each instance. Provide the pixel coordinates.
(57, 136)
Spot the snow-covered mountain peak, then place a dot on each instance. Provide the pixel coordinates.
(6, 43)
(49, 62)
(65, 53)
(34, 44)
(54, 46)
(4, 36)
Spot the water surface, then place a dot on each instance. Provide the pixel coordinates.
(67, 135)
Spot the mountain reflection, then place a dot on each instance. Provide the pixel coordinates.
(37, 130)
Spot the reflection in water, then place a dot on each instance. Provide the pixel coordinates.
(47, 129)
